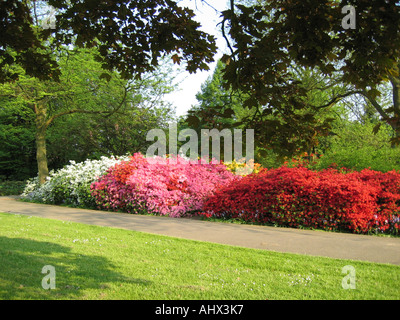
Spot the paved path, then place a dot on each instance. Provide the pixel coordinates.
(317, 243)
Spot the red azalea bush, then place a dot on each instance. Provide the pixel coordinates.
(387, 185)
(329, 199)
(165, 186)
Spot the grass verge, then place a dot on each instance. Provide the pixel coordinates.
(93, 262)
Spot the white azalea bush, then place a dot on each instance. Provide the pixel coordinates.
(71, 184)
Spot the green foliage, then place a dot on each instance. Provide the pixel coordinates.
(356, 146)
(268, 39)
(8, 187)
(17, 141)
(312, 34)
(93, 134)
(217, 107)
(221, 107)
(86, 116)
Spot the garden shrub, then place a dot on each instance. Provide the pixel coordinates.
(71, 184)
(165, 186)
(11, 187)
(387, 185)
(299, 197)
(357, 145)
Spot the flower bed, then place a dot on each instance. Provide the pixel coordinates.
(298, 197)
(331, 199)
(164, 186)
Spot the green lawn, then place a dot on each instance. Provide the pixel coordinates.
(92, 262)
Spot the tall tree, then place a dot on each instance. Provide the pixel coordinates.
(267, 39)
(80, 89)
(220, 107)
(81, 136)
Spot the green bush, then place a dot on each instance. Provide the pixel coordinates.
(8, 188)
(356, 147)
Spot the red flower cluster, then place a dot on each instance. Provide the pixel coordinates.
(332, 200)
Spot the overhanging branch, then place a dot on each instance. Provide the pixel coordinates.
(106, 113)
(337, 98)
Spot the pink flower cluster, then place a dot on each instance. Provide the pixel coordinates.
(164, 186)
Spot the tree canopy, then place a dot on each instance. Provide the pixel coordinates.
(267, 39)
(291, 60)
(131, 36)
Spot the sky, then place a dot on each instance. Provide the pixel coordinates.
(190, 84)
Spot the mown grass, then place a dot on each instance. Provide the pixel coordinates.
(93, 262)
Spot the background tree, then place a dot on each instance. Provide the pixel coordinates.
(17, 141)
(221, 107)
(355, 146)
(217, 107)
(82, 136)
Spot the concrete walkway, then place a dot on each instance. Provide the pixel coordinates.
(308, 242)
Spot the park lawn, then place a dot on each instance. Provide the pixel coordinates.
(93, 262)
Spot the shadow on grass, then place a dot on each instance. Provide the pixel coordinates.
(22, 260)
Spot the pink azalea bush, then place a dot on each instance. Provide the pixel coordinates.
(164, 186)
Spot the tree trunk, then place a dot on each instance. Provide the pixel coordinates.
(396, 108)
(41, 154)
